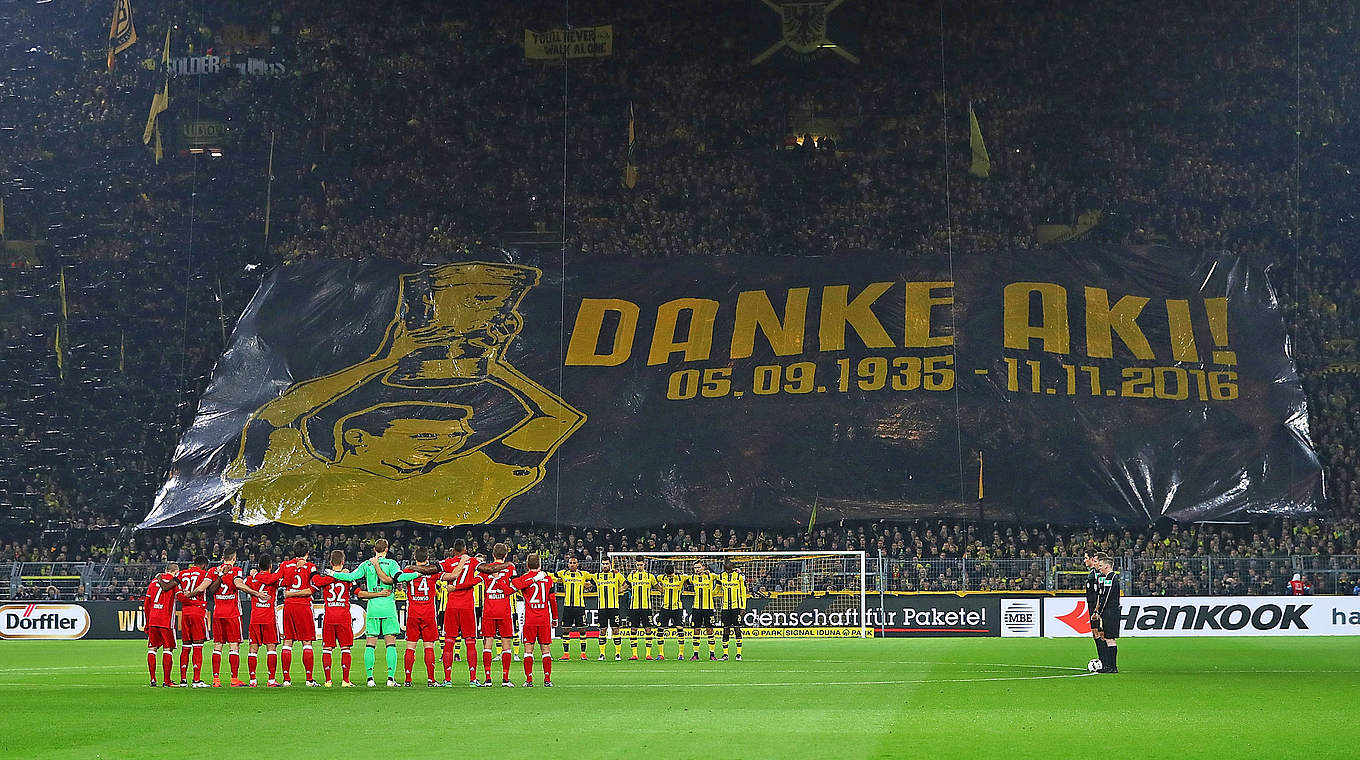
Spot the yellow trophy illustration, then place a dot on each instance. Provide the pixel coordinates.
(436, 426)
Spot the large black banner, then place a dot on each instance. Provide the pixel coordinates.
(1084, 384)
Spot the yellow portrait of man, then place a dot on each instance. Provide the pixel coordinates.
(435, 426)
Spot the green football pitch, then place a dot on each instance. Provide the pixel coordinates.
(975, 698)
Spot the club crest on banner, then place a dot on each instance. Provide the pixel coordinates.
(804, 28)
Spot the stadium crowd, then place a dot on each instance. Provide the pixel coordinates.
(420, 132)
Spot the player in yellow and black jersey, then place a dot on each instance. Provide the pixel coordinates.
(672, 585)
(734, 603)
(705, 586)
(609, 585)
(573, 582)
(640, 585)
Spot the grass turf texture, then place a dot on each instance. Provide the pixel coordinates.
(1017, 698)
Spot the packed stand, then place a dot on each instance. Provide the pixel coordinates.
(419, 131)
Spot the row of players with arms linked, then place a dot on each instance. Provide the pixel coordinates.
(472, 585)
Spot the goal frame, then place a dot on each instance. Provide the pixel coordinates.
(860, 555)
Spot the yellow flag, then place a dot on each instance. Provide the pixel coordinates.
(630, 172)
(160, 153)
(121, 31)
(122, 350)
(161, 100)
(61, 287)
(982, 163)
(632, 133)
(56, 345)
(979, 476)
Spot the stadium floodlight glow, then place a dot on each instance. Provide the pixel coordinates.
(805, 573)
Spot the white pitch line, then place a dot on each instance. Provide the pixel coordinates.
(954, 662)
(827, 683)
(55, 668)
(703, 666)
(730, 684)
(706, 667)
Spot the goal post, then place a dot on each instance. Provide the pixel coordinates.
(780, 580)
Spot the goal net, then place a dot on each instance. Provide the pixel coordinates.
(821, 594)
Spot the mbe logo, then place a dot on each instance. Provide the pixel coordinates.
(1020, 617)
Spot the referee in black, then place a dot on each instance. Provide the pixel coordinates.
(1088, 558)
(1105, 615)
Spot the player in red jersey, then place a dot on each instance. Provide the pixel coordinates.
(264, 626)
(159, 609)
(497, 619)
(337, 630)
(193, 619)
(422, 622)
(295, 578)
(540, 613)
(226, 583)
(460, 613)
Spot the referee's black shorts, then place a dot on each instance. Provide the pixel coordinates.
(1109, 624)
(731, 618)
(573, 617)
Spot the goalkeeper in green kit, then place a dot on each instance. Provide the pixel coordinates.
(380, 575)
